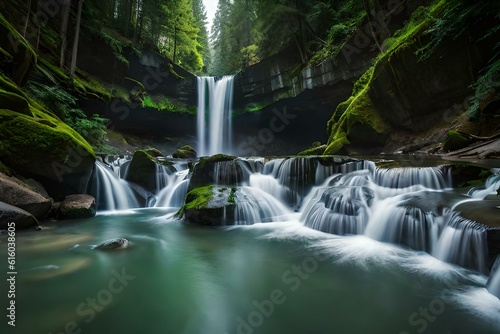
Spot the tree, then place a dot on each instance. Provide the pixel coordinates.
(76, 39)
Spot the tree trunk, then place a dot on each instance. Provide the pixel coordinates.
(64, 31)
(77, 37)
(175, 42)
(27, 19)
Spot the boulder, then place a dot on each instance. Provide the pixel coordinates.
(77, 206)
(17, 193)
(217, 169)
(209, 206)
(12, 214)
(185, 152)
(143, 169)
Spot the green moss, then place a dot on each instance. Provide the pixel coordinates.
(26, 143)
(185, 152)
(197, 198)
(359, 108)
(88, 86)
(319, 150)
(17, 36)
(455, 141)
(15, 102)
(215, 158)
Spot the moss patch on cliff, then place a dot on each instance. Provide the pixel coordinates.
(36, 140)
(357, 109)
(436, 22)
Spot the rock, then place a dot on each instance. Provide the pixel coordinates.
(119, 243)
(12, 214)
(153, 152)
(317, 150)
(142, 170)
(42, 145)
(455, 141)
(77, 206)
(17, 193)
(217, 169)
(185, 152)
(209, 206)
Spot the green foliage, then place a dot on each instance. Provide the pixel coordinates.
(165, 104)
(485, 87)
(64, 105)
(449, 19)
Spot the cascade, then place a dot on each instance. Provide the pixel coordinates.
(254, 206)
(493, 284)
(429, 177)
(401, 206)
(463, 242)
(215, 99)
(110, 192)
(176, 186)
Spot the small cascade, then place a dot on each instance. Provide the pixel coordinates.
(111, 192)
(339, 210)
(256, 206)
(493, 284)
(491, 187)
(163, 176)
(429, 177)
(173, 194)
(463, 242)
(407, 226)
(215, 99)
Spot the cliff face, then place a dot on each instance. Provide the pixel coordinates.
(406, 103)
(279, 86)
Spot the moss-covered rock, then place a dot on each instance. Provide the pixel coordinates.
(12, 101)
(143, 169)
(318, 150)
(154, 152)
(405, 89)
(77, 206)
(209, 206)
(455, 141)
(185, 152)
(218, 169)
(30, 146)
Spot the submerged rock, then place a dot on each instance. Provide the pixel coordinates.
(11, 214)
(118, 243)
(77, 206)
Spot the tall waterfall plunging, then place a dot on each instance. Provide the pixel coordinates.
(215, 99)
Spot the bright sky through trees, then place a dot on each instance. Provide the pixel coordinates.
(211, 7)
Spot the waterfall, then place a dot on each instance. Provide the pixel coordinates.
(429, 177)
(255, 206)
(215, 99)
(339, 210)
(463, 242)
(493, 284)
(404, 206)
(110, 192)
(172, 195)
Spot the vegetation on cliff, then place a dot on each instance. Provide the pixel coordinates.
(415, 44)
